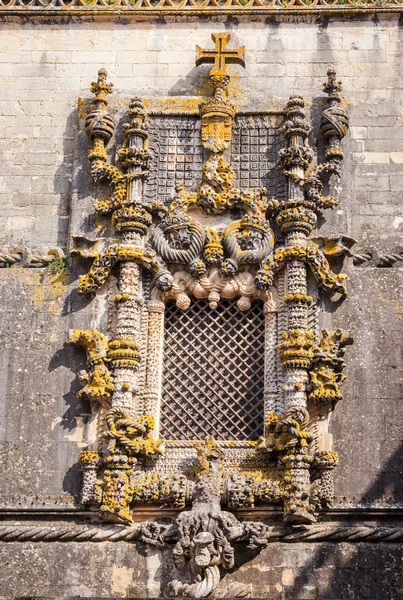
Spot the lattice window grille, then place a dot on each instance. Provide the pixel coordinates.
(213, 372)
(177, 152)
(178, 155)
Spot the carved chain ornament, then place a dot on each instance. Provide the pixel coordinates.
(219, 241)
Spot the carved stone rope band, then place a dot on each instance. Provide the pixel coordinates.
(313, 534)
(374, 258)
(42, 257)
(34, 258)
(68, 534)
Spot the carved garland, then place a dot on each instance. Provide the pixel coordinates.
(239, 261)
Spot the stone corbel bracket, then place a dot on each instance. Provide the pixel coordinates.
(309, 254)
(97, 379)
(214, 287)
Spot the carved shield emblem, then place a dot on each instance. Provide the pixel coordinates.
(216, 131)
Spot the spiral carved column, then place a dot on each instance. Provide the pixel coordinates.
(296, 221)
(131, 222)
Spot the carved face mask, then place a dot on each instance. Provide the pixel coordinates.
(204, 554)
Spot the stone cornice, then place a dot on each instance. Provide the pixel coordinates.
(157, 8)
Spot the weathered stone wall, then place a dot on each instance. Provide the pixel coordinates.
(45, 67)
(282, 572)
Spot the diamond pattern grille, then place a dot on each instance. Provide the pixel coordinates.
(213, 372)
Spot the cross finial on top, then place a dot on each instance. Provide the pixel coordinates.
(221, 55)
(101, 88)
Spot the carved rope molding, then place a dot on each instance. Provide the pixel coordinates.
(30, 257)
(315, 534)
(195, 7)
(23, 257)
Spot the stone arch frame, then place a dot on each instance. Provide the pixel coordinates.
(213, 288)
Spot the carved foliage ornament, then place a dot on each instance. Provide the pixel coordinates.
(235, 258)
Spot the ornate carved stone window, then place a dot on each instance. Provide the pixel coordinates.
(213, 382)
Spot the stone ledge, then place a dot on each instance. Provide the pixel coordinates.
(189, 8)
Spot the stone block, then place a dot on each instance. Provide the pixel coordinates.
(396, 183)
(390, 133)
(384, 145)
(99, 57)
(19, 225)
(363, 40)
(373, 181)
(50, 56)
(396, 158)
(374, 158)
(358, 133)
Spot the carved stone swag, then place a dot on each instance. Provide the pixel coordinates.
(213, 243)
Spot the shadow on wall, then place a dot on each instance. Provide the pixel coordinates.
(195, 83)
(63, 177)
(77, 410)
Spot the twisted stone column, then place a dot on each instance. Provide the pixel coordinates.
(296, 220)
(155, 341)
(131, 222)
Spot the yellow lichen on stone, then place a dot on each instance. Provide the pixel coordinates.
(46, 290)
(88, 457)
(97, 380)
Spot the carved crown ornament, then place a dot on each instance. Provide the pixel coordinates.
(222, 243)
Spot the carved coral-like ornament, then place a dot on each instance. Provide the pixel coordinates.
(297, 349)
(131, 436)
(124, 353)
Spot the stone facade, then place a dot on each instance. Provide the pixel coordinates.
(48, 65)
(45, 190)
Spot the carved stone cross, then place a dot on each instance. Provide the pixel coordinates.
(221, 56)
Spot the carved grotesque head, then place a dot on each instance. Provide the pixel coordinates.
(177, 229)
(164, 280)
